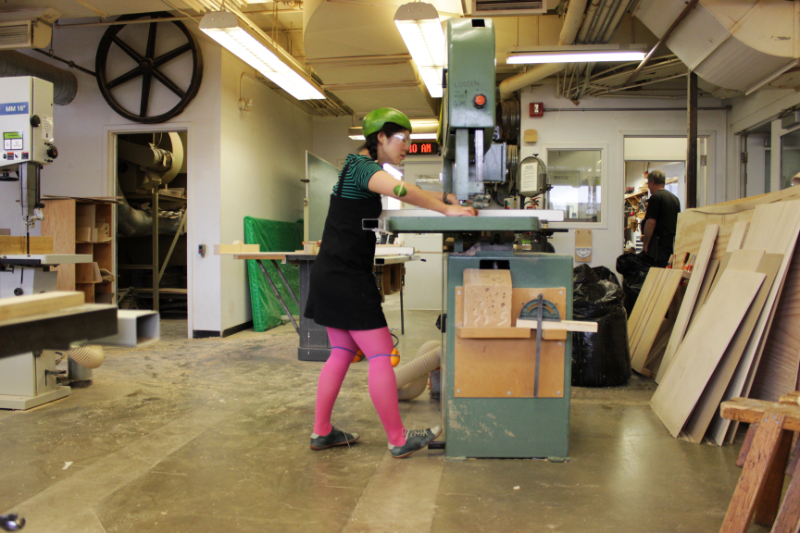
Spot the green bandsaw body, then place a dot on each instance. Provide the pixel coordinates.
(506, 427)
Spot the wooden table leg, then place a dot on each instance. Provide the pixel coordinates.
(748, 441)
(770, 499)
(788, 520)
(754, 474)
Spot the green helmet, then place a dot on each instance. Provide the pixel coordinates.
(376, 118)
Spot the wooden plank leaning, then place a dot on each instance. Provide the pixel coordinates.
(653, 325)
(34, 304)
(703, 347)
(774, 228)
(689, 299)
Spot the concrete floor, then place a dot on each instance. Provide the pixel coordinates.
(212, 435)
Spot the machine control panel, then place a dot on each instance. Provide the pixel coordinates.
(26, 121)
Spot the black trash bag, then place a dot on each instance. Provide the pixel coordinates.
(628, 264)
(632, 285)
(606, 274)
(634, 269)
(600, 359)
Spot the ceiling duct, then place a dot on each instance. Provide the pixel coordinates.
(489, 8)
(735, 45)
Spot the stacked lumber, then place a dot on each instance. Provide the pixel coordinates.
(737, 332)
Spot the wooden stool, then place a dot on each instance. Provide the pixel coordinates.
(764, 456)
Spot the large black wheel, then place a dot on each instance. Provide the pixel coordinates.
(117, 46)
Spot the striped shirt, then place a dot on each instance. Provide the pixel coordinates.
(360, 169)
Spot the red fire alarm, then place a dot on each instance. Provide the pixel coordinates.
(537, 109)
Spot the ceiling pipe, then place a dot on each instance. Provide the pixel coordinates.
(591, 15)
(572, 23)
(602, 16)
(661, 41)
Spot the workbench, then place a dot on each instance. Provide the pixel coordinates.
(314, 343)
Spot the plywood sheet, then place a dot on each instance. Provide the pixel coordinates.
(737, 236)
(651, 329)
(495, 368)
(487, 298)
(641, 302)
(705, 288)
(702, 349)
(649, 304)
(13, 245)
(778, 370)
(707, 407)
(774, 228)
(689, 298)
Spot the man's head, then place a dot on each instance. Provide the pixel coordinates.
(655, 181)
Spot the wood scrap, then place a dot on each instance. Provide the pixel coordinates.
(12, 245)
(689, 299)
(703, 347)
(707, 407)
(34, 304)
(775, 228)
(647, 291)
(648, 309)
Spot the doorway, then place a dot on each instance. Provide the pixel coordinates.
(152, 181)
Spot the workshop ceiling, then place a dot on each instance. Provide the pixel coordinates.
(354, 48)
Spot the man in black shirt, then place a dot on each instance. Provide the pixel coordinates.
(661, 219)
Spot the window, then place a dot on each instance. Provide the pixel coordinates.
(790, 157)
(576, 177)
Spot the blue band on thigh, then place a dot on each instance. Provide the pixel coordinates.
(379, 355)
(343, 348)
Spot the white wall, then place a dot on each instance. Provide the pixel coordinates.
(331, 142)
(575, 129)
(84, 136)
(262, 165)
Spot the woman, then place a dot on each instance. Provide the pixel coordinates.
(343, 295)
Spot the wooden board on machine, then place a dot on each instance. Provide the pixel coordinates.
(34, 304)
(505, 367)
(19, 245)
(487, 298)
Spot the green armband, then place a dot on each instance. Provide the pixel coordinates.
(400, 190)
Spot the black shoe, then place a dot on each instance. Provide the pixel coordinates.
(416, 439)
(336, 437)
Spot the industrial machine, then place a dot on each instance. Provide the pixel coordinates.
(505, 389)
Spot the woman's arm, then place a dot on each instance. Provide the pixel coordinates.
(383, 183)
(439, 196)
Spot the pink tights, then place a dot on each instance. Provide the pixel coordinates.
(377, 346)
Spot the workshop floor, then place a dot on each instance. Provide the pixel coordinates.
(212, 436)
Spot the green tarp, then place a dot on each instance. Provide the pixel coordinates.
(272, 236)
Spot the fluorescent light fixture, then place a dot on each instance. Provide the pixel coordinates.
(393, 171)
(575, 54)
(224, 28)
(421, 130)
(421, 29)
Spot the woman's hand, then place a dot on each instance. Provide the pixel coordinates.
(460, 211)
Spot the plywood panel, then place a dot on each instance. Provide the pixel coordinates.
(487, 298)
(702, 349)
(634, 333)
(644, 294)
(738, 235)
(493, 368)
(689, 298)
(707, 407)
(705, 288)
(13, 245)
(778, 369)
(672, 280)
(773, 228)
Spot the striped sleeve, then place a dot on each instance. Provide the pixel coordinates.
(363, 170)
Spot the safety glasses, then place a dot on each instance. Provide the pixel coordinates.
(405, 138)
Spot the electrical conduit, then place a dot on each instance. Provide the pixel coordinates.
(412, 377)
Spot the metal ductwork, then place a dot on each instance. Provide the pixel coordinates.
(735, 45)
(65, 84)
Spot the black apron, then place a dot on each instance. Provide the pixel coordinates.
(342, 292)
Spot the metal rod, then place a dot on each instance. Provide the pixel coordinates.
(661, 41)
(549, 109)
(691, 142)
(286, 283)
(172, 246)
(156, 276)
(119, 22)
(539, 311)
(277, 294)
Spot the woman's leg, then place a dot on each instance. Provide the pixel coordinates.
(377, 346)
(331, 377)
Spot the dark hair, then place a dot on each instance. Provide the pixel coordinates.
(371, 144)
(657, 177)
